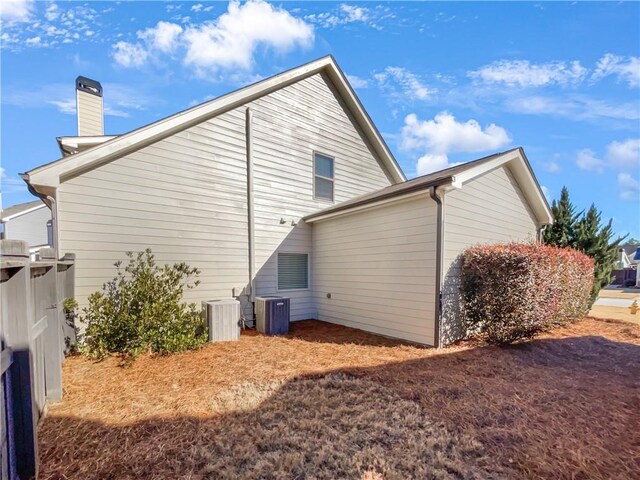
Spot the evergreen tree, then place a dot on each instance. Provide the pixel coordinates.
(561, 233)
(584, 232)
(597, 241)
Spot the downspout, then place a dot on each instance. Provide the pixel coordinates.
(540, 232)
(438, 294)
(250, 204)
(53, 206)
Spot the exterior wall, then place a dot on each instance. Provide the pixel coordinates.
(30, 227)
(379, 267)
(489, 209)
(90, 114)
(185, 196)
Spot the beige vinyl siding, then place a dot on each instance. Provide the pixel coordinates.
(379, 267)
(90, 114)
(489, 209)
(30, 227)
(185, 196)
(288, 126)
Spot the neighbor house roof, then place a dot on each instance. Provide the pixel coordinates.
(46, 178)
(20, 209)
(456, 177)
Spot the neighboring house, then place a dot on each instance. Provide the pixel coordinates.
(626, 268)
(285, 187)
(29, 222)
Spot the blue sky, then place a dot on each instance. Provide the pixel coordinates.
(444, 82)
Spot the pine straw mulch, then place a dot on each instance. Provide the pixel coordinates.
(332, 402)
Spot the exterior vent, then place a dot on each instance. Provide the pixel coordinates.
(223, 320)
(272, 315)
(89, 106)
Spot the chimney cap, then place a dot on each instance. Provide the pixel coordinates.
(85, 84)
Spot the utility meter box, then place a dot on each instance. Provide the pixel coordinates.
(272, 315)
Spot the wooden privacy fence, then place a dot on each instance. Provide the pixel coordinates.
(34, 335)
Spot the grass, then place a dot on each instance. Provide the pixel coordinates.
(332, 402)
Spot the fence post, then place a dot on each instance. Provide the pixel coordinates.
(53, 349)
(16, 330)
(66, 289)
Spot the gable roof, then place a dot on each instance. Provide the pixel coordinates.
(50, 175)
(20, 209)
(456, 177)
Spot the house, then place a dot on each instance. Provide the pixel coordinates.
(286, 187)
(30, 222)
(626, 268)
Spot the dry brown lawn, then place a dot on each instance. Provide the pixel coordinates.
(331, 402)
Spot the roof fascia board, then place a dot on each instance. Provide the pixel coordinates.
(32, 209)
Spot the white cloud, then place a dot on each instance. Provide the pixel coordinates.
(354, 13)
(409, 84)
(232, 39)
(197, 7)
(522, 73)
(226, 43)
(586, 160)
(130, 54)
(10, 184)
(357, 82)
(444, 135)
(343, 15)
(67, 106)
(55, 25)
(16, 10)
(624, 69)
(547, 193)
(163, 37)
(625, 154)
(628, 188)
(575, 107)
(432, 162)
(552, 167)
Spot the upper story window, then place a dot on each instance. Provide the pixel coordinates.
(322, 177)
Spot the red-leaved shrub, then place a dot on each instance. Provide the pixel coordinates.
(516, 290)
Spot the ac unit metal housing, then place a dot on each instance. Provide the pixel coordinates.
(223, 320)
(272, 315)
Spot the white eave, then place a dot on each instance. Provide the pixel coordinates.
(73, 145)
(49, 176)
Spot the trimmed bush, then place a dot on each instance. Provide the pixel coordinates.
(514, 291)
(141, 310)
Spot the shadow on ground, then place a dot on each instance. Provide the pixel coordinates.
(551, 408)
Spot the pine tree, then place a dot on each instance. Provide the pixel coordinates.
(584, 232)
(561, 233)
(597, 241)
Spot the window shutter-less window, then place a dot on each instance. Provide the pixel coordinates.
(323, 176)
(293, 271)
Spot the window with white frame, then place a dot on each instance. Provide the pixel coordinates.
(322, 177)
(293, 271)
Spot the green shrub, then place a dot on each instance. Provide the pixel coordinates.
(514, 291)
(141, 310)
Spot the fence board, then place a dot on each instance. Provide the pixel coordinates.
(31, 349)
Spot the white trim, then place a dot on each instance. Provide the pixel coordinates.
(19, 214)
(52, 174)
(332, 180)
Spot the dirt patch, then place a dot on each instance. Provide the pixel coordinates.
(563, 406)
